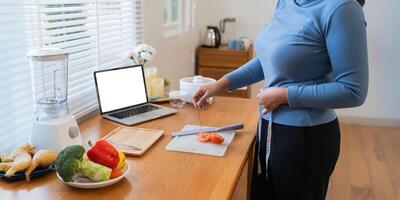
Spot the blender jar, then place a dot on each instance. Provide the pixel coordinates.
(49, 73)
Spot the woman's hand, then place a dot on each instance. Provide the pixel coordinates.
(272, 97)
(199, 98)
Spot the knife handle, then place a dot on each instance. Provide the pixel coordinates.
(232, 127)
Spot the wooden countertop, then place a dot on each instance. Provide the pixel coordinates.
(161, 174)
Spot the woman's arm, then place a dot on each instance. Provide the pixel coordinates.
(199, 98)
(249, 73)
(346, 42)
(246, 75)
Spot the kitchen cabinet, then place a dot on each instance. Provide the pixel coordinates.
(216, 62)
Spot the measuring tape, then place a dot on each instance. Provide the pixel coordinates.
(268, 142)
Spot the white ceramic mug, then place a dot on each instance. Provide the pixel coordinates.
(246, 42)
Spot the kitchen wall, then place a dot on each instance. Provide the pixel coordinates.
(251, 16)
(175, 58)
(175, 55)
(382, 105)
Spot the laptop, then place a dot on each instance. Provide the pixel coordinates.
(122, 96)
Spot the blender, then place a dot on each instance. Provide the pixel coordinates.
(53, 127)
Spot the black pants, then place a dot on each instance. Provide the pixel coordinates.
(301, 162)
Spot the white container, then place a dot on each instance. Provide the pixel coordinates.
(49, 72)
(191, 84)
(55, 134)
(54, 127)
(177, 98)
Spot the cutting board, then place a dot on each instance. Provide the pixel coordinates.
(190, 143)
(124, 138)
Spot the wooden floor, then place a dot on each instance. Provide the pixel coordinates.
(369, 164)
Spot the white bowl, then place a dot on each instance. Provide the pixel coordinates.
(191, 84)
(94, 185)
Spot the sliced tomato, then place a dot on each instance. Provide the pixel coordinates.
(203, 137)
(215, 138)
(115, 173)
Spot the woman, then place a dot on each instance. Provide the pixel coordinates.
(313, 58)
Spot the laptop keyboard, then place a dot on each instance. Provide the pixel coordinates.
(134, 111)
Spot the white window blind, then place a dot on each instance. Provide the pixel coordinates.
(96, 33)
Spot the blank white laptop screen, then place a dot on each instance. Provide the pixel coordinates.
(121, 88)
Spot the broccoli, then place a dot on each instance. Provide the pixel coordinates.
(70, 162)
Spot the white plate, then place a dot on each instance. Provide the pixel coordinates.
(93, 185)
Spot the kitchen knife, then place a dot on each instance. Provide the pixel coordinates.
(231, 127)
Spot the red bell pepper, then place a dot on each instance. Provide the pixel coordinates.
(103, 153)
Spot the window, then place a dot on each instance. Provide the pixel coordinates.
(171, 12)
(96, 33)
(178, 16)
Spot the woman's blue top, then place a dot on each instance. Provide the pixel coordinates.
(318, 50)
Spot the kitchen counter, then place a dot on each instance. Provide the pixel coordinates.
(162, 174)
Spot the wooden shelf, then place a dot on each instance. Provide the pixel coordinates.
(216, 62)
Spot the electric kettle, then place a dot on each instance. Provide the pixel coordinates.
(212, 37)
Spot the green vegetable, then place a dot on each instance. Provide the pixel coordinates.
(70, 162)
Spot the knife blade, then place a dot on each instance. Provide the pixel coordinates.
(199, 117)
(231, 127)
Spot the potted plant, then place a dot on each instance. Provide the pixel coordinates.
(142, 54)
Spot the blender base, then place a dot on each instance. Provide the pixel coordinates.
(55, 134)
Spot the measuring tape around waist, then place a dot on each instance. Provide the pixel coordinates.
(268, 142)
